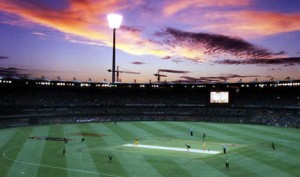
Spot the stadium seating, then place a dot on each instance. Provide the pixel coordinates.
(40, 105)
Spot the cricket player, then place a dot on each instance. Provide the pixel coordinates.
(226, 164)
(136, 141)
(110, 157)
(204, 146)
(187, 146)
(64, 151)
(273, 146)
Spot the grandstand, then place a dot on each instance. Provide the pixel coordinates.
(25, 102)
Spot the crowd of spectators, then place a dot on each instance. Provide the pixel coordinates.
(101, 97)
(276, 107)
(273, 98)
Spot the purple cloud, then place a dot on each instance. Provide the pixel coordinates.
(138, 63)
(132, 29)
(13, 72)
(173, 71)
(263, 61)
(3, 57)
(220, 78)
(213, 44)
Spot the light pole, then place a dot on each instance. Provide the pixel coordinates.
(114, 22)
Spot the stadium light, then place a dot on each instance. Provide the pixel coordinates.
(114, 22)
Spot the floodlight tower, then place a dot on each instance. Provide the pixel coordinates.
(114, 22)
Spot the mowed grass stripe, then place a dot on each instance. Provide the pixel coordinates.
(287, 140)
(116, 142)
(78, 156)
(239, 167)
(30, 153)
(124, 162)
(220, 130)
(20, 136)
(218, 162)
(292, 150)
(124, 134)
(95, 145)
(202, 168)
(260, 137)
(285, 162)
(215, 139)
(151, 129)
(136, 165)
(161, 129)
(6, 134)
(277, 131)
(168, 136)
(211, 134)
(260, 168)
(100, 154)
(257, 159)
(179, 131)
(236, 165)
(256, 137)
(227, 134)
(52, 155)
(110, 138)
(240, 136)
(167, 166)
(136, 131)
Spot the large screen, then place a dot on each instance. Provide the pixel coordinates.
(219, 97)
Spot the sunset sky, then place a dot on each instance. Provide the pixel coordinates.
(204, 40)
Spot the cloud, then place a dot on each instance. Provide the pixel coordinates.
(149, 6)
(39, 33)
(210, 44)
(133, 29)
(85, 22)
(174, 6)
(138, 63)
(78, 17)
(249, 24)
(203, 79)
(173, 71)
(3, 57)
(13, 72)
(262, 62)
(80, 40)
(220, 78)
(231, 76)
(280, 53)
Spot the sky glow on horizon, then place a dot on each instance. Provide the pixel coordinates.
(195, 40)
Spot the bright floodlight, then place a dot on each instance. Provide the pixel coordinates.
(114, 20)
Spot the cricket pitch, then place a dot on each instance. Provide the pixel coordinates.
(172, 148)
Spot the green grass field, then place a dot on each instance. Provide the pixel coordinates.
(248, 149)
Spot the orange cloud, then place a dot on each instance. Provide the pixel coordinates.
(174, 6)
(134, 43)
(251, 24)
(86, 20)
(83, 18)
